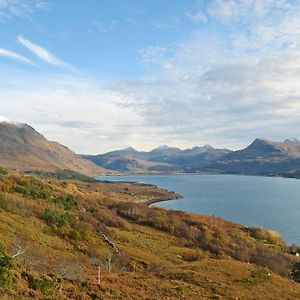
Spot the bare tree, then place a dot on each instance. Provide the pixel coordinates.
(19, 249)
(110, 243)
(109, 262)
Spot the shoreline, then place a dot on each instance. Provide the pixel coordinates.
(153, 201)
(150, 201)
(195, 174)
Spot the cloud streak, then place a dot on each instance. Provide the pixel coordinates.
(10, 9)
(43, 53)
(14, 55)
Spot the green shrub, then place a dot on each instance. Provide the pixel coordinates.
(266, 236)
(296, 272)
(31, 187)
(42, 284)
(58, 218)
(3, 171)
(6, 265)
(6, 261)
(6, 278)
(66, 201)
(74, 235)
(21, 190)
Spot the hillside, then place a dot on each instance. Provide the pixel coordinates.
(158, 160)
(24, 149)
(56, 236)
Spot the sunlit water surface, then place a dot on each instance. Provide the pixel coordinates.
(270, 202)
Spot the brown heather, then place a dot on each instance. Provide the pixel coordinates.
(61, 233)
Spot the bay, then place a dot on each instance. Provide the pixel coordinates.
(269, 202)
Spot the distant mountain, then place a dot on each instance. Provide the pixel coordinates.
(24, 149)
(161, 159)
(261, 157)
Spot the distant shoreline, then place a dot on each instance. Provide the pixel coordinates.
(153, 201)
(201, 174)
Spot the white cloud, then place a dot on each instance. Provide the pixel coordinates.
(225, 86)
(43, 53)
(236, 78)
(72, 110)
(14, 55)
(10, 9)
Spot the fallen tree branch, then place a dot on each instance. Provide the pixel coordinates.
(110, 242)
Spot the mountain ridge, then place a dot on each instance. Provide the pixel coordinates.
(261, 157)
(24, 149)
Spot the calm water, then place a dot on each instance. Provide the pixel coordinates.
(273, 203)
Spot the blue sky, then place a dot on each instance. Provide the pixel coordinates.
(102, 38)
(100, 75)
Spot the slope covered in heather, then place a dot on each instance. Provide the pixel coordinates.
(56, 236)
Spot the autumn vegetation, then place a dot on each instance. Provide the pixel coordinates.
(67, 239)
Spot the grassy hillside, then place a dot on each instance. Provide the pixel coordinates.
(57, 235)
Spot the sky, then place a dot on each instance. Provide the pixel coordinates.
(99, 75)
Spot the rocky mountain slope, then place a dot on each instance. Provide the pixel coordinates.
(24, 149)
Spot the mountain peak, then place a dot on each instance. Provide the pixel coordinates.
(259, 141)
(208, 146)
(5, 120)
(129, 149)
(162, 147)
(198, 150)
(291, 140)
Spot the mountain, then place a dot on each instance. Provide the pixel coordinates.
(261, 157)
(161, 159)
(124, 160)
(24, 149)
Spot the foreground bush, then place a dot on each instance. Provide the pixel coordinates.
(3, 171)
(6, 265)
(43, 283)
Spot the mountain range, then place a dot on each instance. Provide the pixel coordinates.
(161, 159)
(24, 149)
(262, 157)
